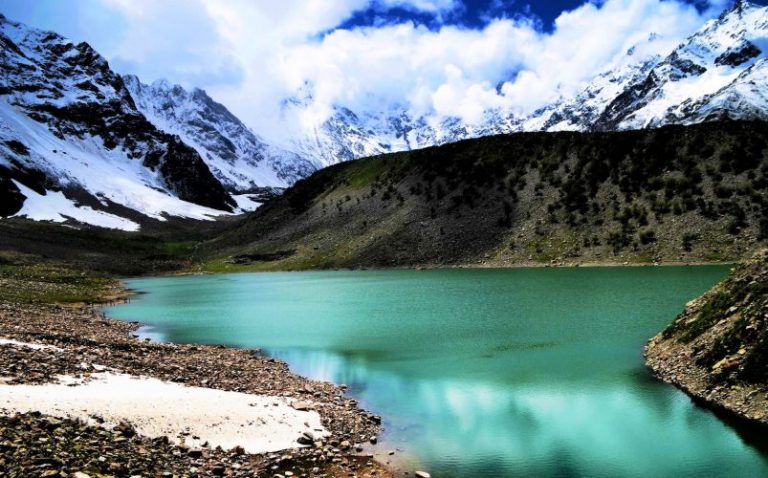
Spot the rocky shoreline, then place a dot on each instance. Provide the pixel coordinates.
(716, 349)
(79, 341)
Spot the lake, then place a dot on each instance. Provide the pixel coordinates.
(516, 372)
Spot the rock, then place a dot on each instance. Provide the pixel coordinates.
(422, 474)
(301, 405)
(218, 470)
(374, 440)
(80, 474)
(195, 453)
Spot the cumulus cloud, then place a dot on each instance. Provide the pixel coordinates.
(252, 54)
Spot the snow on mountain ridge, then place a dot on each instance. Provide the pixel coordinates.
(237, 157)
(64, 114)
(708, 63)
(67, 123)
(716, 73)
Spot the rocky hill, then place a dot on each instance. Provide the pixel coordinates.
(717, 348)
(677, 193)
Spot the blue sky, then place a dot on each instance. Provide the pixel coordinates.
(442, 57)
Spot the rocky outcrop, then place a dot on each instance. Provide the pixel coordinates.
(717, 348)
(11, 199)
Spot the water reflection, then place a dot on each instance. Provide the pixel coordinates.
(634, 428)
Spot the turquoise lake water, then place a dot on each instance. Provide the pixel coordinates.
(521, 372)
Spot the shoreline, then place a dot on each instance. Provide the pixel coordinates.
(741, 405)
(75, 335)
(428, 267)
(708, 348)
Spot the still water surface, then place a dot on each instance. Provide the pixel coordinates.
(523, 372)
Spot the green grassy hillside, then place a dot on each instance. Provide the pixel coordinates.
(675, 194)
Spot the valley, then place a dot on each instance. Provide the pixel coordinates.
(368, 286)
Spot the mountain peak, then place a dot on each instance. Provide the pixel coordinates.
(739, 8)
(163, 84)
(81, 131)
(238, 158)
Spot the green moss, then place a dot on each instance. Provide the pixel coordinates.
(711, 313)
(50, 283)
(180, 249)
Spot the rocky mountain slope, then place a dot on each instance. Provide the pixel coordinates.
(717, 348)
(242, 161)
(73, 145)
(719, 72)
(677, 193)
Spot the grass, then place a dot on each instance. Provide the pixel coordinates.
(182, 249)
(364, 172)
(25, 281)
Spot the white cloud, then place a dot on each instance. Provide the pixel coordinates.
(431, 6)
(171, 38)
(252, 54)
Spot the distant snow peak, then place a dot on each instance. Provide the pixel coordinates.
(719, 72)
(237, 157)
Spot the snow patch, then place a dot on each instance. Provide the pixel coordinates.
(28, 345)
(258, 423)
(105, 174)
(54, 206)
(245, 203)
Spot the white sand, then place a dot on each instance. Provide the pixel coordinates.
(28, 345)
(259, 424)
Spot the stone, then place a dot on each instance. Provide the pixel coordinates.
(301, 405)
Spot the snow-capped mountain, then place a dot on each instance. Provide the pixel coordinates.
(583, 110)
(344, 136)
(719, 72)
(347, 135)
(238, 158)
(74, 145)
(79, 141)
